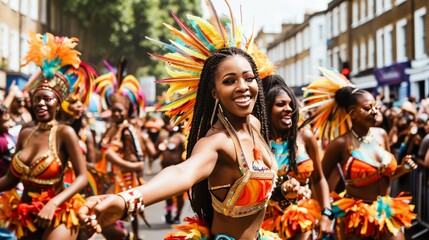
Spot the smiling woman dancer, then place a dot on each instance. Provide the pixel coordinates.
(297, 156)
(364, 210)
(230, 169)
(46, 210)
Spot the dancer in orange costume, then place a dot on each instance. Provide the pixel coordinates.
(46, 209)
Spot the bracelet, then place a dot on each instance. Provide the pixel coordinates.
(328, 212)
(134, 203)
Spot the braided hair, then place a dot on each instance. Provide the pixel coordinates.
(199, 194)
(274, 85)
(347, 97)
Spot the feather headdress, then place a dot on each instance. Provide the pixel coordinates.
(187, 52)
(57, 59)
(115, 88)
(329, 119)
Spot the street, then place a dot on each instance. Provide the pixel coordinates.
(154, 215)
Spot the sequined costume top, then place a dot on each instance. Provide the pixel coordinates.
(361, 170)
(47, 170)
(304, 162)
(250, 193)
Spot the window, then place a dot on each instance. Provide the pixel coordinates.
(4, 1)
(398, 2)
(329, 53)
(329, 25)
(379, 7)
(292, 46)
(343, 17)
(298, 79)
(380, 48)
(362, 64)
(43, 12)
(387, 5)
(401, 40)
(371, 52)
(420, 33)
(14, 5)
(34, 9)
(306, 38)
(355, 57)
(362, 11)
(355, 17)
(14, 51)
(343, 53)
(388, 46)
(4, 40)
(335, 22)
(321, 32)
(336, 58)
(24, 7)
(370, 9)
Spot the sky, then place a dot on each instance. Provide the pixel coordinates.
(267, 14)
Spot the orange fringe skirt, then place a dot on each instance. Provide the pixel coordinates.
(385, 215)
(296, 218)
(19, 217)
(197, 230)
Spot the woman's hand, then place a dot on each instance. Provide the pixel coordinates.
(100, 211)
(45, 216)
(290, 188)
(324, 227)
(408, 163)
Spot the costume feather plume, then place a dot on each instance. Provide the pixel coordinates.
(84, 77)
(51, 53)
(186, 54)
(329, 120)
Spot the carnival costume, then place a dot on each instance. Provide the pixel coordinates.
(363, 218)
(290, 217)
(185, 60)
(56, 57)
(127, 91)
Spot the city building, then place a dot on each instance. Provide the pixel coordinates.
(17, 19)
(299, 49)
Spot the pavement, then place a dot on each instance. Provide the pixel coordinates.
(155, 217)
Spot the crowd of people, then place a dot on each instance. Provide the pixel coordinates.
(256, 161)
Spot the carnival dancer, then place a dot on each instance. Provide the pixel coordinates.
(346, 116)
(229, 168)
(46, 209)
(122, 158)
(297, 156)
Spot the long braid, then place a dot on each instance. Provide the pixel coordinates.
(199, 194)
(273, 86)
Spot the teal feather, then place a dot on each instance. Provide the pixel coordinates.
(201, 36)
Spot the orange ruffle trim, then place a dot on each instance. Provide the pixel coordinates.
(385, 215)
(296, 218)
(19, 217)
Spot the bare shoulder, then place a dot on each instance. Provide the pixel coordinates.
(378, 131)
(306, 133)
(65, 130)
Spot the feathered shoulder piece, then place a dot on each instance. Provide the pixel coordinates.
(329, 120)
(115, 88)
(187, 51)
(55, 56)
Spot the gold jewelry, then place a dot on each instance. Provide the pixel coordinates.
(134, 203)
(214, 111)
(364, 139)
(47, 125)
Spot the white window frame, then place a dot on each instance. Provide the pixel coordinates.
(343, 17)
(420, 45)
(14, 50)
(355, 14)
(387, 5)
(335, 22)
(43, 11)
(379, 8)
(24, 8)
(399, 2)
(336, 57)
(355, 58)
(371, 52)
(380, 48)
(329, 25)
(370, 7)
(329, 57)
(401, 40)
(388, 45)
(34, 9)
(343, 52)
(14, 5)
(4, 40)
(362, 13)
(362, 57)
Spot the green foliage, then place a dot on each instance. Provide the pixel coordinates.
(115, 28)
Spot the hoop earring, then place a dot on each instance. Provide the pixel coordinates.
(214, 111)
